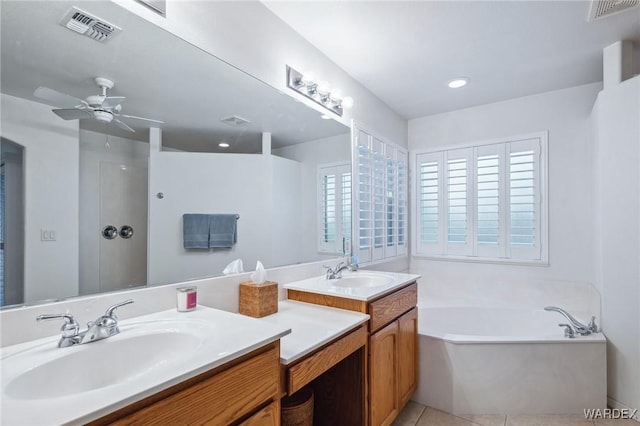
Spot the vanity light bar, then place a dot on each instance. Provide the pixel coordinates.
(319, 92)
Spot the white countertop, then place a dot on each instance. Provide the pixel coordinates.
(311, 327)
(320, 285)
(234, 335)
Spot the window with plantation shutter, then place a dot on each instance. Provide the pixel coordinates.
(485, 201)
(334, 202)
(381, 168)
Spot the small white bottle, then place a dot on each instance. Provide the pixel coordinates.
(186, 298)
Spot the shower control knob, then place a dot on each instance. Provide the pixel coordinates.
(126, 232)
(110, 232)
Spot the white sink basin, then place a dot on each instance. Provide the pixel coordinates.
(101, 364)
(81, 383)
(361, 281)
(360, 285)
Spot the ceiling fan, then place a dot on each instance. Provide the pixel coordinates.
(99, 107)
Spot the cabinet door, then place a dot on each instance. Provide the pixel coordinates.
(383, 375)
(407, 355)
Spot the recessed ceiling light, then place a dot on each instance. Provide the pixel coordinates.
(223, 145)
(325, 117)
(458, 82)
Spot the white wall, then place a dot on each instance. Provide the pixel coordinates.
(220, 28)
(51, 195)
(311, 154)
(616, 123)
(286, 223)
(565, 114)
(92, 152)
(217, 183)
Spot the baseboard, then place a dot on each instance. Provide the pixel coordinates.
(615, 404)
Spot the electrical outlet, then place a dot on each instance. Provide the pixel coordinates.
(47, 235)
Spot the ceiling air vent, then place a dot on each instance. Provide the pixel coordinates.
(603, 8)
(89, 25)
(234, 120)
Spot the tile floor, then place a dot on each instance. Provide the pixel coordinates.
(415, 414)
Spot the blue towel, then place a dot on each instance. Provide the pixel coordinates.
(195, 231)
(223, 230)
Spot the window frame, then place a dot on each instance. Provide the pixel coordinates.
(477, 253)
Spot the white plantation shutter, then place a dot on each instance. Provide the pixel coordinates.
(345, 184)
(364, 196)
(378, 180)
(402, 245)
(429, 174)
(486, 201)
(490, 191)
(381, 198)
(524, 199)
(334, 202)
(459, 191)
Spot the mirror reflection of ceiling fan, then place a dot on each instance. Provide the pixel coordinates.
(98, 107)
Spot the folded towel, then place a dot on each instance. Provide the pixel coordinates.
(223, 231)
(195, 231)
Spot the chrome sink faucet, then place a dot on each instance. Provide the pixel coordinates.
(336, 273)
(104, 326)
(578, 327)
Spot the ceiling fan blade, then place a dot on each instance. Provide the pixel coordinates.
(58, 99)
(140, 118)
(112, 101)
(72, 113)
(123, 125)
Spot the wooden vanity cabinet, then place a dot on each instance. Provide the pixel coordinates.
(245, 391)
(392, 348)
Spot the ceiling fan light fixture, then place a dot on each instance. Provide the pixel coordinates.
(104, 116)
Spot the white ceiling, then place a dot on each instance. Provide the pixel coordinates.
(405, 52)
(190, 90)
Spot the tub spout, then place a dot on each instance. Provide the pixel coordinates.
(580, 328)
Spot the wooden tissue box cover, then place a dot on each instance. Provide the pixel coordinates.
(258, 300)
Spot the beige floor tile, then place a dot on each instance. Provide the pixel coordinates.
(616, 422)
(433, 417)
(409, 414)
(487, 419)
(549, 420)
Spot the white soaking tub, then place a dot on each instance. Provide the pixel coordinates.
(478, 360)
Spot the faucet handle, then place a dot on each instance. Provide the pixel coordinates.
(568, 331)
(592, 326)
(110, 309)
(70, 327)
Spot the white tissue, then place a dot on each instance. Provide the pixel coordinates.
(234, 267)
(260, 275)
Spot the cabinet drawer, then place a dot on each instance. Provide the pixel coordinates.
(268, 416)
(220, 399)
(313, 366)
(390, 307)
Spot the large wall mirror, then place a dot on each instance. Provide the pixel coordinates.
(73, 186)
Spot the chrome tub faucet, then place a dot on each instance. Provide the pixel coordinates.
(104, 326)
(574, 325)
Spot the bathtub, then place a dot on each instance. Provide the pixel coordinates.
(476, 360)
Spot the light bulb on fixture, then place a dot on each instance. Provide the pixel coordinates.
(336, 95)
(324, 89)
(347, 102)
(307, 78)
